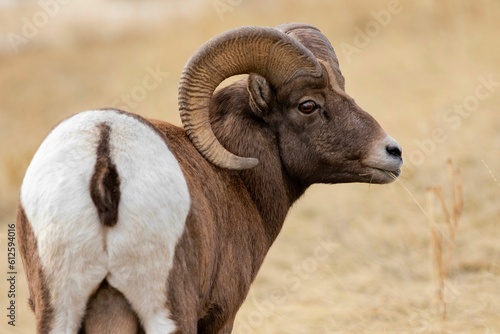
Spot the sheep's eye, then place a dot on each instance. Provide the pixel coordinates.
(307, 107)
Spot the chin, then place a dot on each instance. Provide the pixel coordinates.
(380, 176)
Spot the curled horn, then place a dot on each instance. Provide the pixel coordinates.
(317, 43)
(265, 51)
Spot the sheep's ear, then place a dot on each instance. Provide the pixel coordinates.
(260, 93)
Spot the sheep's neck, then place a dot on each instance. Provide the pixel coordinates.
(273, 198)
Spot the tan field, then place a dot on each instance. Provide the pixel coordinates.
(352, 258)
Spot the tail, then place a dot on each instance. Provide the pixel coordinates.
(105, 182)
(109, 312)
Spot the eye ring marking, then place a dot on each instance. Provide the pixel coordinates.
(308, 107)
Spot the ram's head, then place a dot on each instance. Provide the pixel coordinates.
(296, 87)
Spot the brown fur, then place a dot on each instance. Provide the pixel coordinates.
(221, 249)
(39, 294)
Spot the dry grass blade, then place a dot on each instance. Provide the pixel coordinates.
(443, 254)
(437, 249)
(459, 204)
(398, 180)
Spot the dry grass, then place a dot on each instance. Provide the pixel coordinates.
(375, 273)
(443, 238)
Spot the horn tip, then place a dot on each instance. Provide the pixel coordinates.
(246, 163)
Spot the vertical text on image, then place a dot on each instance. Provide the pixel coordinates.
(11, 274)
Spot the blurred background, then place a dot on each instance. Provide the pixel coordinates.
(352, 258)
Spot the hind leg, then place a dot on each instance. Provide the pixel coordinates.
(63, 273)
(61, 276)
(72, 280)
(147, 295)
(139, 270)
(70, 287)
(149, 301)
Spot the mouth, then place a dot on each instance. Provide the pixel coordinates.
(381, 176)
(395, 173)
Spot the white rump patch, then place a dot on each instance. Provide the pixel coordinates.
(76, 251)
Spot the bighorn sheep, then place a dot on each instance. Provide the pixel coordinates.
(129, 225)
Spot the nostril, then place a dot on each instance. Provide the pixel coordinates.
(394, 150)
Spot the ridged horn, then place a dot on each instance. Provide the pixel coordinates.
(314, 40)
(265, 51)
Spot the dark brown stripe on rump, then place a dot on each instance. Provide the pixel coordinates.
(105, 182)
